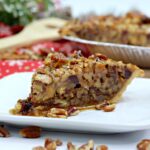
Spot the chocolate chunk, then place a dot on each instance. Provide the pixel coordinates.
(127, 73)
(25, 106)
(78, 86)
(74, 79)
(145, 20)
(101, 80)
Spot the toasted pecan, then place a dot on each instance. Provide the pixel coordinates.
(4, 132)
(30, 132)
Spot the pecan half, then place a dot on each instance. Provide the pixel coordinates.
(58, 142)
(108, 108)
(102, 147)
(30, 132)
(57, 113)
(144, 145)
(49, 140)
(88, 146)
(105, 108)
(4, 132)
(73, 111)
(101, 57)
(70, 146)
(51, 146)
(39, 148)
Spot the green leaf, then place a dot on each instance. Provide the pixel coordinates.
(22, 11)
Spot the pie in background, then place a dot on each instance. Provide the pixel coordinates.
(132, 28)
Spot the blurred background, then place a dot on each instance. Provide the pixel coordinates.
(16, 15)
(103, 6)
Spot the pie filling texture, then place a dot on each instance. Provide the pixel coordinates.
(76, 81)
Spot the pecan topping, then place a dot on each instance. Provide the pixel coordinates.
(101, 57)
(43, 78)
(30, 132)
(56, 60)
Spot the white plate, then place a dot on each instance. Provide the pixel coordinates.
(131, 114)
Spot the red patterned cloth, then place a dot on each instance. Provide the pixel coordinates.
(6, 30)
(65, 46)
(8, 67)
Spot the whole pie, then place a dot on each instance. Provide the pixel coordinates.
(65, 84)
(132, 28)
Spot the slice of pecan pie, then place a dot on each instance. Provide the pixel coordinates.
(76, 82)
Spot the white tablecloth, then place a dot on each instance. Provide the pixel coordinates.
(125, 141)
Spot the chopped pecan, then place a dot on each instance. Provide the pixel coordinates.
(30, 132)
(101, 57)
(102, 147)
(88, 146)
(58, 142)
(51, 146)
(39, 148)
(70, 146)
(56, 60)
(144, 144)
(99, 107)
(108, 108)
(73, 111)
(57, 113)
(47, 141)
(43, 78)
(4, 132)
